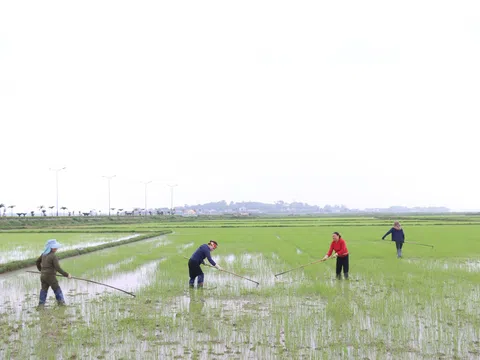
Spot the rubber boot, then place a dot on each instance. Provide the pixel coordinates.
(346, 276)
(339, 277)
(191, 282)
(59, 297)
(399, 254)
(200, 285)
(42, 299)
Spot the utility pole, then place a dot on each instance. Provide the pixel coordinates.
(109, 178)
(171, 197)
(146, 183)
(56, 177)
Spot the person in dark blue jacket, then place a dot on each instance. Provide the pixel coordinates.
(197, 259)
(398, 236)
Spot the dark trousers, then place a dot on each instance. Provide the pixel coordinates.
(47, 281)
(399, 245)
(195, 270)
(342, 262)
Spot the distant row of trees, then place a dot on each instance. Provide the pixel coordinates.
(278, 207)
(120, 211)
(282, 207)
(41, 208)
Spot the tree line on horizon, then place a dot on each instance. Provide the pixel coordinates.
(224, 207)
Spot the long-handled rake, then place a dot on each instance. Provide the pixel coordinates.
(300, 267)
(229, 272)
(415, 243)
(406, 242)
(90, 281)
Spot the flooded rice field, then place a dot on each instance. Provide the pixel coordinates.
(10, 251)
(387, 310)
(465, 265)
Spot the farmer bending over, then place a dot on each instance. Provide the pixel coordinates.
(198, 258)
(48, 265)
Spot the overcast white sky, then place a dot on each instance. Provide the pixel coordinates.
(362, 103)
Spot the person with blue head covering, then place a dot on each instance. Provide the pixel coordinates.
(49, 265)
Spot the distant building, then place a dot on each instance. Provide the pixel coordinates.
(190, 213)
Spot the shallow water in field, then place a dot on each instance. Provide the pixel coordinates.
(99, 241)
(185, 246)
(115, 266)
(473, 265)
(243, 272)
(468, 265)
(24, 252)
(19, 288)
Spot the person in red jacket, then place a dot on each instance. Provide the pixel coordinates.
(341, 253)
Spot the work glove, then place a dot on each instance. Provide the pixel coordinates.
(334, 256)
(69, 276)
(218, 267)
(325, 257)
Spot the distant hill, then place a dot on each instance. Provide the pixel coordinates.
(281, 207)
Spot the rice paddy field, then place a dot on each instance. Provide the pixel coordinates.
(425, 305)
(21, 246)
